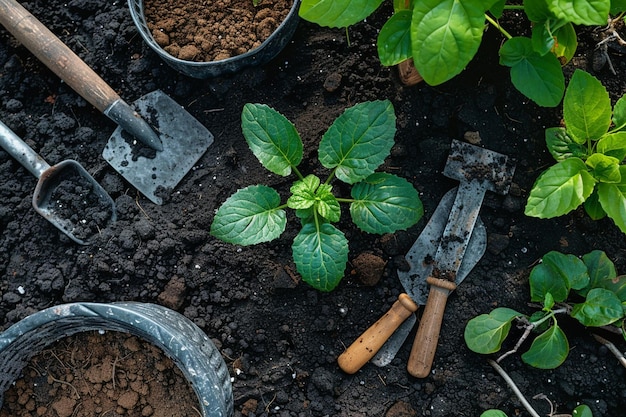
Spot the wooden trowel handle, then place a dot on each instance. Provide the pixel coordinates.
(370, 342)
(56, 55)
(425, 344)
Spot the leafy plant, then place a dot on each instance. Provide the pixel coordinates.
(353, 147)
(580, 411)
(443, 36)
(553, 283)
(589, 151)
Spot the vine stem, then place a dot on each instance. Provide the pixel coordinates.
(513, 387)
(610, 346)
(497, 25)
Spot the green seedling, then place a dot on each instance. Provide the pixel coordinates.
(586, 289)
(354, 146)
(589, 151)
(443, 36)
(580, 411)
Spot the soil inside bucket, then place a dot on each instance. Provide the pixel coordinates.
(93, 374)
(213, 30)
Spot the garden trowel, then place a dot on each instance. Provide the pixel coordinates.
(172, 139)
(420, 259)
(478, 170)
(392, 329)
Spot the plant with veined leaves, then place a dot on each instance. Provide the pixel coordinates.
(443, 36)
(589, 151)
(553, 283)
(353, 147)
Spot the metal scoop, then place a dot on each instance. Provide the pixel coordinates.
(49, 187)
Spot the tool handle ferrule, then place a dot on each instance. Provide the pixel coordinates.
(370, 342)
(129, 120)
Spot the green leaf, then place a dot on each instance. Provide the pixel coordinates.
(582, 411)
(385, 203)
(538, 77)
(556, 274)
(560, 189)
(337, 13)
(561, 146)
(590, 13)
(548, 302)
(359, 140)
(548, 350)
(613, 200)
(309, 193)
(485, 333)
(542, 38)
(394, 39)
(272, 138)
(493, 413)
(593, 208)
(445, 36)
(566, 43)
(399, 5)
(537, 11)
(601, 307)
(320, 252)
(586, 107)
(619, 113)
(326, 204)
(497, 8)
(600, 269)
(613, 144)
(303, 193)
(250, 216)
(617, 285)
(604, 168)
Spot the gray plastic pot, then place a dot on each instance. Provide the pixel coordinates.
(177, 336)
(257, 56)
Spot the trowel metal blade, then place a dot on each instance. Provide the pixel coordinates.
(391, 347)
(422, 254)
(184, 140)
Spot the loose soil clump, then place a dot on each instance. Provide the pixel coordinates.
(93, 374)
(204, 31)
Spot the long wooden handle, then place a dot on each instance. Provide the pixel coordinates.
(425, 344)
(370, 342)
(56, 55)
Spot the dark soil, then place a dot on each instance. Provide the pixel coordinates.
(280, 337)
(92, 374)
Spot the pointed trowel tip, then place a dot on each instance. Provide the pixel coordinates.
(133, 123)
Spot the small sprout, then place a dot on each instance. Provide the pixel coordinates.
(354, 146)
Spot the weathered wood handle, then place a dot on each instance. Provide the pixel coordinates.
(56, 55)
(370, 342)
(425, 344)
